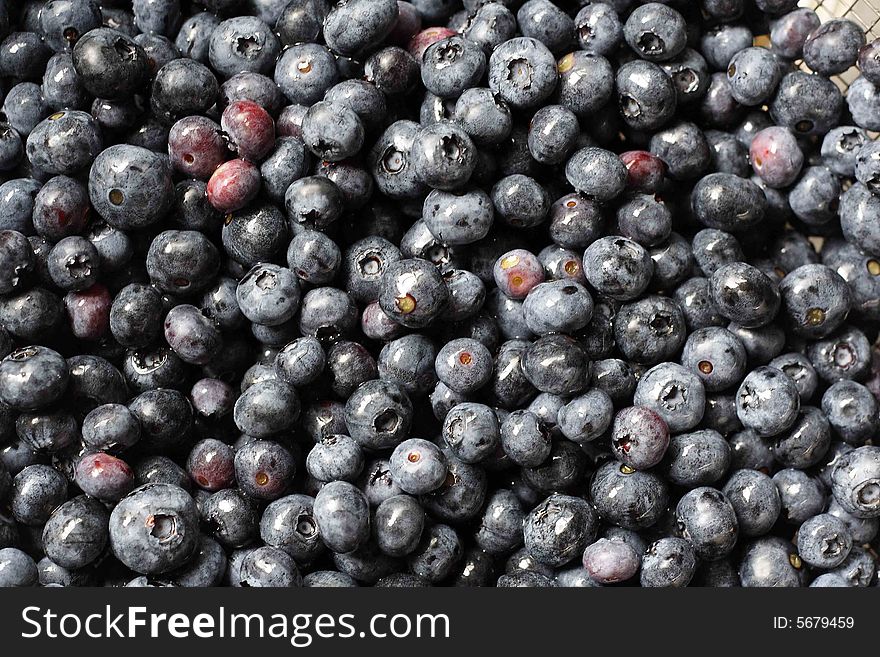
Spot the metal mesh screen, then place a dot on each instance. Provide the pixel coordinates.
(864, 12)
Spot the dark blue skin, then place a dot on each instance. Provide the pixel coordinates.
(32, 377)
(288, 523)
(336, 457)
(24, 107)
(264, 469)
(126, 198)
(155, 528)
(450, 66)
(668, 562)
(771, 561)
(640, 500)
(269, 567)
(342, 515)
(655, 32)
(418, 466)
(76, 533)
(472, 432)
(23, 55)
(17, 569)
(164, 415)
(534, 72)
(501, 526)
(437, 554)
(61, 87)
(36, 491)
(557, 530)
(110, 427)
(64, 143)
(183, 87)
(194, 37)
(244, 43)
(266, 407)
(110, 64)
(231, 517)
(397, 525)
(824, 541)
(357, 25)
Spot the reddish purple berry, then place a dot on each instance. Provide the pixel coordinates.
(644, 170)
(103, 476)
(196, 147)
(233, 185)
(517, 272)
(427, 37)
(211, 465)
(88, 312)
(776, 157)
(250, 129)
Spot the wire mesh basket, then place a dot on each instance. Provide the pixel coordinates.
(864, 12)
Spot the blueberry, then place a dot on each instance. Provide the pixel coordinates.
(727, 202)
(183, 87)
(598, 28)
(753, 74)
(357, 25)
(706, 518)
(844, 355)
(772, 562)
(655, 32)
(668, 562)
(628, 498)
(398, 524)
(210, 465)
(611, 561)
(802, 495)
(418, 466)
(558, 529)
(855, 482)
(126, 197)
(442, 156)
(243, 43)
(76, 534)
(305, 71)
(858, 568)
(378, 414)
(650, 329)
(646, 95)
(789, 32)
(412, 292)
(851, 410)
(36, 491)
(231, 517)
(266, 407)
(110, 64)
(65, 142)
(17, 569)
(755, 500)
(522, 71)
(716, 356)
(824, 541)
(639, 437)
(791, 109)
(267, 566)
(342, 516)
(698, 458)
(833, 47)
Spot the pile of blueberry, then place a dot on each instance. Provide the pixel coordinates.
(437, 292)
